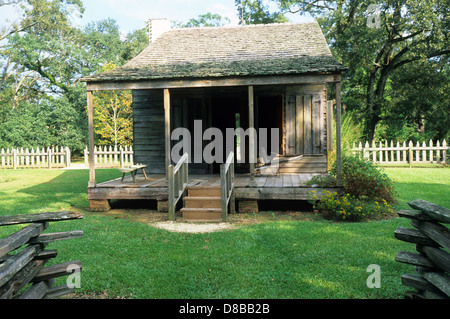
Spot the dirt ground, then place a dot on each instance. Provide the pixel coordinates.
(143, 212)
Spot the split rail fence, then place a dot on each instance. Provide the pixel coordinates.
(403, 153)
(110, 156)
(35, 158)
(432, 240)
(24, 254)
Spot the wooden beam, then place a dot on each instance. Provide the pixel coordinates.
(55, 271)
(90, 107)
(330, 126)
(274, 193)
(46, 238)
(104, 193)
(167, 127)
(19, 238)
(441, 214)
(16, 262)
(338, 133)
(38, 218)
(217, 82)
(251, 126)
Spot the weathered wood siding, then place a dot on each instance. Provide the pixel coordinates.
(148, 125)
(305, 120)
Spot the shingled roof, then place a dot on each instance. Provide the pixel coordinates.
(271, 49)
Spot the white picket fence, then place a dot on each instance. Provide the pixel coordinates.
(404, 153)
(35, 158)
(107, 156)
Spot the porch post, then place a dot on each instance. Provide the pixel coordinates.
(338, 132)
(251, 126)
(167, 127)
(90, 108)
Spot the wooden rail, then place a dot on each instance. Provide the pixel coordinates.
(23, 269)
(35, 158)
(178, 181)
(432, 240)
(227, 186)
(390, 154)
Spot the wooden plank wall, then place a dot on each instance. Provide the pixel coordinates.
(148, 125)
(305, 120)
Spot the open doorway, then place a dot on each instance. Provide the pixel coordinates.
(230, 113)
(269, 114)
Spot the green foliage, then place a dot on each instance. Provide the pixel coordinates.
(377, 57)
(367, 190)
(204, 20)
(417, 114)
(351, 133)
(257, 12)
(113, 122)
(41, 101)
(349, 208)
(364, 180)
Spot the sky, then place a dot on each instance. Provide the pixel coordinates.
(131, 15)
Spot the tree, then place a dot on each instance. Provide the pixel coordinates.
(408, 31)
(204, 20)
(257, 12)
(42, 58)
(415, 113)
(113, 122)
(207, 20)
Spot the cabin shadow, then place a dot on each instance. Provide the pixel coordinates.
(67, 191)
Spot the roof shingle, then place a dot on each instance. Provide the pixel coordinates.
(272, 49)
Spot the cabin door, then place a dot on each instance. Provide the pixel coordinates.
(304, 122)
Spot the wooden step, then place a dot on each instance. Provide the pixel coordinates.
(301, 170)
(202, 214)
(203, 191)
(202, 202)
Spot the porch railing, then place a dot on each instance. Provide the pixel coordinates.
(178, 181)
(227, 185)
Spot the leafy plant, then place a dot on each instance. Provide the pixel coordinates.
(363, 179)
(349, 208)
(368, 191)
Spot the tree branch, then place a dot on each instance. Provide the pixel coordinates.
(431, 55)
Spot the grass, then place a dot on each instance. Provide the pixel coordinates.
(284, 255)
(432, 184)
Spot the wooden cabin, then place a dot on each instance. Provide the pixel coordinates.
(271, 76)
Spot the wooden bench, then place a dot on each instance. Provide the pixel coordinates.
(133, 170)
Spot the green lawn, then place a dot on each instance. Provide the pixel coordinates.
(432, 184)
(302, 257)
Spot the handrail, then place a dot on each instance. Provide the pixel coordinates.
(178, 181)
(227, 185)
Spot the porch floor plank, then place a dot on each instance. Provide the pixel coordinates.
(241, 180)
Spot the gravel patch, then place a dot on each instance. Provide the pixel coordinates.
(193, 227)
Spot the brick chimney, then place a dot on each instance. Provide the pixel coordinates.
(158, 27)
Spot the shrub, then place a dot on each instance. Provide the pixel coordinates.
(363, 179)
(324, 180)
(349, 208)
(368, 191)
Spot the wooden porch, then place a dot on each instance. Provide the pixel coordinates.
(248, 190)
